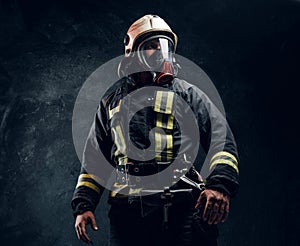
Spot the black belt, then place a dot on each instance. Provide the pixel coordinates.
(142, 169)
(136, 170)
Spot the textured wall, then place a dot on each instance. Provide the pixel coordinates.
(47, 50)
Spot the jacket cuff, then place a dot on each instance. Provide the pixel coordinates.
(80, 205)
(223, 184)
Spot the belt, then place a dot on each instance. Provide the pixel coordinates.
(136, 170)
(142, 169)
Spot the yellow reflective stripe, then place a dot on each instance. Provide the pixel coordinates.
(116, 109)
(88, 184)
(226, 154)
(169, 146)
(135, 191)
(113, 111)
(120, 134)
(170, 96)
(223, 161)
(116, 142)
(159, 120)
(158, 101)
(124, 158)
(130, 192)
(158, 147)
(113, 193)
(116, 188)
(161, 98)
(90, 176)
(121, 145)
(170, 122)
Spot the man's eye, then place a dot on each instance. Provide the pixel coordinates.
(152, 46)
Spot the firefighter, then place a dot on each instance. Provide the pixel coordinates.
(176, 214)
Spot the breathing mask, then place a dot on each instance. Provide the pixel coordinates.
(156, 54)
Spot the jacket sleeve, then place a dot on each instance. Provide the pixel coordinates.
(219, 144)
(95, 170)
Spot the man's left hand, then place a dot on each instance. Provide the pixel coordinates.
(215, 206)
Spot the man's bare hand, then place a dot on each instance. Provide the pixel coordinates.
(80, 226)
(215, 206)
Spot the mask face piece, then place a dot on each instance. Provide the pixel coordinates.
(154, 51)
(156, 55)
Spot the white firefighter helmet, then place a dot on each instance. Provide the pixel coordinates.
(144, 27)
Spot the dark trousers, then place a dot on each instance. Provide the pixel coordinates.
(140, 224)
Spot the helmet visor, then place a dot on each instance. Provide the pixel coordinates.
(153, 52)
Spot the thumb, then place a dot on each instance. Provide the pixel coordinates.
(93, 223)
(200, 199)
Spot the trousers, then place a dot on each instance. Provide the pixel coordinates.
(141, 224)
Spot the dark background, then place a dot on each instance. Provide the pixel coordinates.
(250, 49)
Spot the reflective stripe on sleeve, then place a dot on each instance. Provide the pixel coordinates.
(89, 185)
(89, 176)
(226, 162)
(224, 153)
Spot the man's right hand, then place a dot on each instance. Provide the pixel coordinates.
(80, 225)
